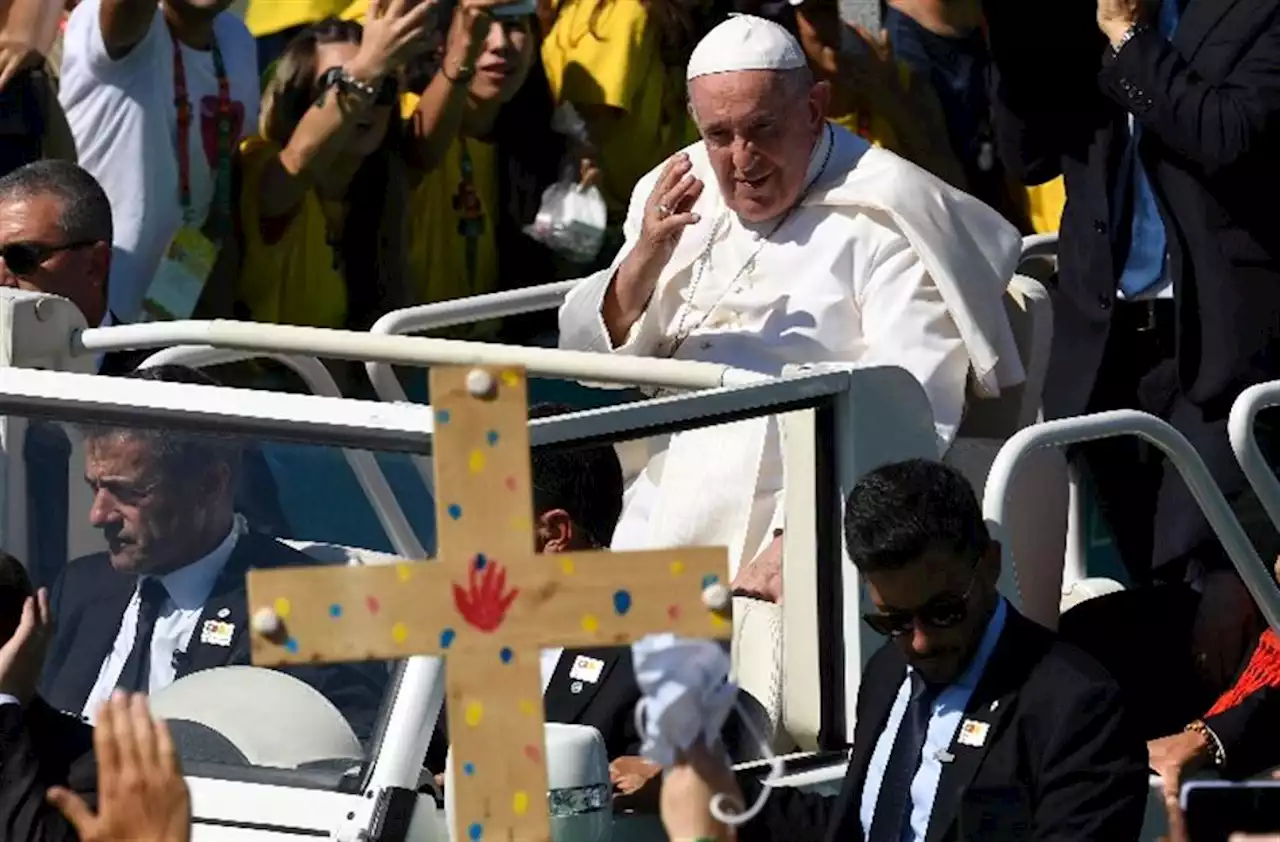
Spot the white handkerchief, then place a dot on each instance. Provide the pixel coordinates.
(685, 692)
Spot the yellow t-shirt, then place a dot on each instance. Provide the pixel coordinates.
(444, 209)
(617, 63)
(1046, 202)
(294, 280)
(264, 17)
(355, 11)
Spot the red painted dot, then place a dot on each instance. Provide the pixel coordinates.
(371, 602)
(673, 612)
(511, 483)
(533, 753)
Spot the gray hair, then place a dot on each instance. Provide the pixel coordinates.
(796, 82)
(85, 209)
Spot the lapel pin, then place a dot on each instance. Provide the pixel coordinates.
(973, 733)
(575, 688)
(224, 613)
(586, 668)
(995, 704)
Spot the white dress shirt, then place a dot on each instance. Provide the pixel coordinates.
(549, 660)
(188, 589)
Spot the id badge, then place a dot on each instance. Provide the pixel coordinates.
(178, 284)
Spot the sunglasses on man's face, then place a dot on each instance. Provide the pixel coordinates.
(944, 611)
(25, 258)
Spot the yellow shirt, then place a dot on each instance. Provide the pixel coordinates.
(617, 63)
(1046, 202)
(453, 250)
(294, 280)
(264, 17)
(355, 11)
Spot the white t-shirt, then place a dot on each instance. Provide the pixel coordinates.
(126, 127)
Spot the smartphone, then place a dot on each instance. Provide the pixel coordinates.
(1216, 809)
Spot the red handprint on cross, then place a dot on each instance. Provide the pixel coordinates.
(483, 604)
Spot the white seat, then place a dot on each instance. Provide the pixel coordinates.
(339, 553)
(1037, 521)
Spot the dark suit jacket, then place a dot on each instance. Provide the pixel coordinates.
(40, 748)
(608, 705)
(1209, 107)
(1247, 733)
(89, 600)
(1061, 760)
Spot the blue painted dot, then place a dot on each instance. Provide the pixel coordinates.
(335, 611)
(475, 832)
(468, 769)
(480, 561)
(492, 437)
(291, 645)
(622, 602)
(709, 580)
(442, 416)
(506, 655)
(446, 638)
(454, 510)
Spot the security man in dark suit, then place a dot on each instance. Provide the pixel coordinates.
(1164, 117)
(973, 721)
(167, 597)
(39, 747)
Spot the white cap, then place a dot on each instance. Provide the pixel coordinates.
(745, 42)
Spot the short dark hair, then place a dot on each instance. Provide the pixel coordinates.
(898, 512)
(584, 481)
(177, 454)
(15, 587)
(86, 210)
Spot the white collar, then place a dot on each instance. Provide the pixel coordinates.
(189, 586)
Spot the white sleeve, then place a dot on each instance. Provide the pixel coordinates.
(582, 326)
(6, 699)
(83, 41)
(905, 322)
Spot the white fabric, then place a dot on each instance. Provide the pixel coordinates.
(6, 699)
(883, 265)
(548, 660)
(188, 589)
(745, 42)
(126, 127)
(685, 693)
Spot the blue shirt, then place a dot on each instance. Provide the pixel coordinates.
(944, 722)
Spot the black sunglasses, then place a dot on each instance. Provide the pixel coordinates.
(25, 258)
(944, 611)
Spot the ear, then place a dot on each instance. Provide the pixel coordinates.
(555, 531)
(100, 264)
(819, 101)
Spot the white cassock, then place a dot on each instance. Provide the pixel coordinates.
(882, 264)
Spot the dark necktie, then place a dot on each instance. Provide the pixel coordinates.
(136, 675)
(893, 805)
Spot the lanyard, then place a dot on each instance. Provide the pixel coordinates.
(220, 209)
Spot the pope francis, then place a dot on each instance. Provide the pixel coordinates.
(782, 239)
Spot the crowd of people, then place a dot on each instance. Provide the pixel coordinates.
(780, 187)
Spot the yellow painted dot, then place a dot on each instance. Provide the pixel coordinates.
(399, 632)
(475, 712)
(718, 622)
(511, 378)
(527, 707)
(404, 572)
(282, 608)
(590, 624)
(520, 802)
(566, 566)
(475, 463)
(677, 567)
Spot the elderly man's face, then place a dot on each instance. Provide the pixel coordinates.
(759, 131)
(36, 255)
(151, 523)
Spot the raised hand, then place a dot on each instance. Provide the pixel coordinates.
(669, 210)
(1116, 17)
(141, 794)
(394, 32)
(22, 655)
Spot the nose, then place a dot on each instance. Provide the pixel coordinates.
(497, 40)
(744, 155)
(921, 640)
(103, 510)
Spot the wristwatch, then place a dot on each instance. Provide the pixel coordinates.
(362, 93)
(459, 73)
(1127, 37)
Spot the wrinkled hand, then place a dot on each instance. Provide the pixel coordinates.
(1116, 17)
(1173, 756)
(1224, 630)
(22, 655)
(141, 794)
(762, 578)
(394, 32)
(669, 210)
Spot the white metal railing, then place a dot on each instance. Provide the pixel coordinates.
(1240, 427)
(1181, 455)
(458, 311)
(414, 351)
(320, 382)
(1040, 245)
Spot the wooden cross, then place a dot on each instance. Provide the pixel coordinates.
(489, 604)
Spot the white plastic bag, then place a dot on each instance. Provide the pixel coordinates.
(571, 221)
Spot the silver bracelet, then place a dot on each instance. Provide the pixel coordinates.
(1127, 37)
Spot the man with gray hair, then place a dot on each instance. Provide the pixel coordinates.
(55, 234)
(808, 247)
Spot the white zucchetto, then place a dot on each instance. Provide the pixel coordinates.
(745, 42)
